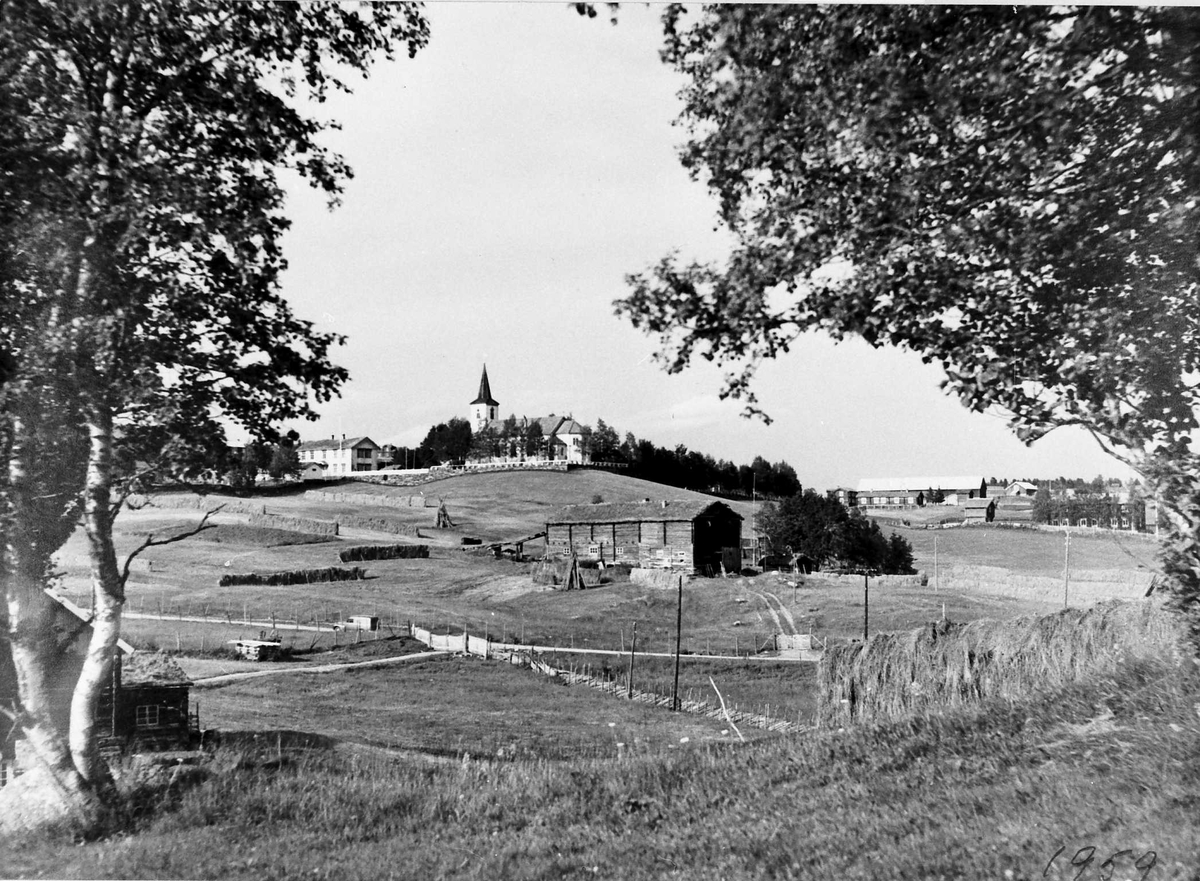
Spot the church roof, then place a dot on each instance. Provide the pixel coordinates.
(485, 392)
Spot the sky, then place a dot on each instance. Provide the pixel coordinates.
(507, 180)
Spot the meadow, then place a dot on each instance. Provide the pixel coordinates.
(1085, 782)
(465, 768)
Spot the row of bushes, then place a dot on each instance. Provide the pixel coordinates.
(384, 552)
(300, 576)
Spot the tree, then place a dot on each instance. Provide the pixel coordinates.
(447, 442)
(485, 443)
(1009, 192)
(606, 442)
(535, 439)
(141, 213)
(284, 462)
(822, 528)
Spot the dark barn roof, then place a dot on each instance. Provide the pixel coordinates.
(640, 512)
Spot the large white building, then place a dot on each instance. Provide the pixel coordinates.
(342, 456)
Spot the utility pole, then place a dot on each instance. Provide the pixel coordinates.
(866, 605)
(678, 640)
(935, 565)
(1067, 568)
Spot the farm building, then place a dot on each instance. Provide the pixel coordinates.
(144, 705)
(1014, 509)
(844, 494)
(151, 711)
(698, 536)
(1021, 488)
(979, 510)
(908, 492)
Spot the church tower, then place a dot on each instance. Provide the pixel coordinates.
(484, 408)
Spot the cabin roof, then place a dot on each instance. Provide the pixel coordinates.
(152, 668)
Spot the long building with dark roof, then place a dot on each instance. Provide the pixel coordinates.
(690, 535)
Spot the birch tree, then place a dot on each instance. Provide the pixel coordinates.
(144, 148)
(1012, 193)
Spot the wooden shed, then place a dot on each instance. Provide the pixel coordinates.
(979, 510)
(151, 710)
(691, 535)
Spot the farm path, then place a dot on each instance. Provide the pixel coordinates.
(767, 597)
(227, 678)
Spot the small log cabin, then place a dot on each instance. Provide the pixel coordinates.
(690, 535)
(143, 707)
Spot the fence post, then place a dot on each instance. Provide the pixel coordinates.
(678, 638)
(632, 652)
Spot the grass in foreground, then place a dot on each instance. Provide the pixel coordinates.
(992, 792)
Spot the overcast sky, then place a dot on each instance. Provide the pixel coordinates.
(506, 181)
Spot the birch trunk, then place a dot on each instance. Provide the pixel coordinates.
(52, 790)
(108, 598)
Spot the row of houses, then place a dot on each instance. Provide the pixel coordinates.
(911, 492)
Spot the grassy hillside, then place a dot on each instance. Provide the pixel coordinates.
(1095, 781)
(360, 774)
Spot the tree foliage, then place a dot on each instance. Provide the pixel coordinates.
(1011, 192)
(823, 529)
(446, 442)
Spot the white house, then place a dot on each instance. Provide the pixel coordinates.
(340, 456)
(1021, 488)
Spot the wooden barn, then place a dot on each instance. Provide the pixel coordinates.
(690, 535)
(979, 510)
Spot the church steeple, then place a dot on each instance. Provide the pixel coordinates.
(484, 408)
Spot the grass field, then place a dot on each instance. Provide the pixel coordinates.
(359, 773)
(1095, 781)
(451, 707)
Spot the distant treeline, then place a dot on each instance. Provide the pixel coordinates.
(451, 442)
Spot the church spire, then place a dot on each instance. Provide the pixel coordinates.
(485, 391)
(484, 408)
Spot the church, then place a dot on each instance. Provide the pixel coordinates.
(524, 438)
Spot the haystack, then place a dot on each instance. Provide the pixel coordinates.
(574, 579)
(946, 664)
(443, 517)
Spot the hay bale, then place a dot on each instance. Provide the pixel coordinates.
(384, 552)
